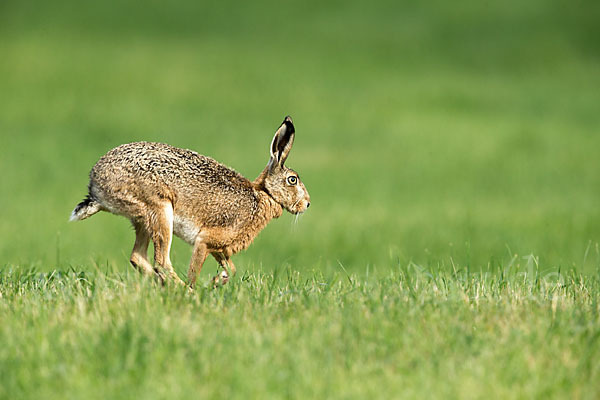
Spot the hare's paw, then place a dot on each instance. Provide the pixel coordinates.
(220, 279)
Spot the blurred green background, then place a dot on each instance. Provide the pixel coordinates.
(432, 132)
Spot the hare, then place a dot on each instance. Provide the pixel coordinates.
(164, 190)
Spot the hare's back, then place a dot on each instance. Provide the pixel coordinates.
(184, 172)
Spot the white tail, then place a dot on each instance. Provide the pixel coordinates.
(85, 209)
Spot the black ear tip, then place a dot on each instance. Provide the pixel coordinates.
(287, 121)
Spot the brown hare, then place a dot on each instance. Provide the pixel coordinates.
(163, 190)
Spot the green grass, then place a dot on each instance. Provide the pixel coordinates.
(450, 150)
(412, 334)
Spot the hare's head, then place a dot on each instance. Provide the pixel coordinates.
(282, 183)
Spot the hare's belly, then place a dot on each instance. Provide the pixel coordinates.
(185, 228)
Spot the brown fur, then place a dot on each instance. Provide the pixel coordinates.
(164, 190)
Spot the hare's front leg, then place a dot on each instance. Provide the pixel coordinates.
(198, 258)
(161, 223)
(228, 268)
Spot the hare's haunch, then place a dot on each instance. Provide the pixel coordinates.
(164, 190)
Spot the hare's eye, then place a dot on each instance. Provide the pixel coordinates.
(292, 180)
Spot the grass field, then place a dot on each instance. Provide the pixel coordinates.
(450, 150)
(412, 334)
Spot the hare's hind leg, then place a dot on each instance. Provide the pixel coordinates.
(161, 228)
(139, 255)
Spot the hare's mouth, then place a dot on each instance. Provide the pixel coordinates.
(295, 210)
(299, 207)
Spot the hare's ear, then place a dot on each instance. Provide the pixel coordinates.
(282, 142)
